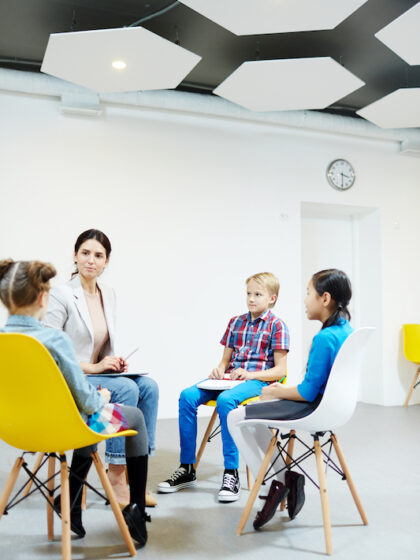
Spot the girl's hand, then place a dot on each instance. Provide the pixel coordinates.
(106, 394)
(217, 373)
(270, 392)
(240, 375)
(109, 363)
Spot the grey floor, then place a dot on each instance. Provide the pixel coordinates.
(382, 449)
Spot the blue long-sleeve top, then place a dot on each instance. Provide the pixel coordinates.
(58, 343)
(324, 349)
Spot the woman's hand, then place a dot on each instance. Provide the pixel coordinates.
(110, 363)
(240, 374)
(106, 394)
(217, 373)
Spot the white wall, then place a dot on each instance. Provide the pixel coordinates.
(193, 206)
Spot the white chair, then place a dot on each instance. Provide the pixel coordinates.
(336, 408)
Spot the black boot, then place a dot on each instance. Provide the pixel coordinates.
(78, 472)
(134, 514)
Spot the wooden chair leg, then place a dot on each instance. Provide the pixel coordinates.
(35, 468)
(257, 485)
(349, 479)
(248, 478)
(324, 496)
(84, 492)
(412, 387)
(50, 497)
(289, 458)
(114, 504)
(206, 437)
(11, 481)
(65, 509)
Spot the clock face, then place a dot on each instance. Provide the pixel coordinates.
(340, 174)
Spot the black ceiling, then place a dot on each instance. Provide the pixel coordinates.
(25, 26)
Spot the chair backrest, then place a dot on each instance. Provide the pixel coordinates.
(412, 342)
(37, 410)
(340, 397)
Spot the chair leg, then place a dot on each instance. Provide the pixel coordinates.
(11, 481)
(84, 492)
(412, 387)
(35, 468)
(248, 478)
(324, 495)
(114, 504)
(289, 458)
(206, 437)
(65, 509)
(50, 486)
(349, 479)
(257, 485)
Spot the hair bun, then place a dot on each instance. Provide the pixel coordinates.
(5, 265)
(40, 273)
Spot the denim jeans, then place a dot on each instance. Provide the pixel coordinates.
(141, 392)
(191, 398)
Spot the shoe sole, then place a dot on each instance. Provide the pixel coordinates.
(171, 489)
(227, 499)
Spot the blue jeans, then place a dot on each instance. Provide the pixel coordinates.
(189, 401)
(141, 392)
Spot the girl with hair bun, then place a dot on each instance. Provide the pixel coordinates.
(328, 295)
(24, 290)
(85, 309)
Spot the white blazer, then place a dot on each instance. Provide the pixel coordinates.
(68, 312)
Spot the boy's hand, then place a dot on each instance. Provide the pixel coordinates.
(217, 373)
(240, 374)
(270, 392)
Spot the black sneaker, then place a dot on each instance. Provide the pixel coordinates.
(229, 491)
(179, 479)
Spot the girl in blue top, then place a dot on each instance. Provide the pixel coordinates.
(328, 295)
(24, 287)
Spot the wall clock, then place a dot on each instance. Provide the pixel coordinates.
(340, 174)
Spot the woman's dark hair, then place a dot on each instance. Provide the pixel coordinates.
(98, 236)
(338, 285)
(93, 234)
(22, 281)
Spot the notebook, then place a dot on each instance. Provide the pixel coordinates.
(219, 384)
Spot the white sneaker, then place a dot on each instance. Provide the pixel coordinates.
(230, 489)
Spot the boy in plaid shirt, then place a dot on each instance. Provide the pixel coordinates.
(256, 346)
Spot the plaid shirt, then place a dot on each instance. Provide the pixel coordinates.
(254, 342)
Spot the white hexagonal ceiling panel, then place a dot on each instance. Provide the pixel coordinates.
(117, 60)
(254, 17)
(399, 109)
(403, 35)
(288, 84)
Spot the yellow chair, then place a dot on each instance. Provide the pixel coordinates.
(412, 352)
(210, 433)
(38, 414)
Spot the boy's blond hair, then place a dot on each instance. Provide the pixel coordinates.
(269, 281)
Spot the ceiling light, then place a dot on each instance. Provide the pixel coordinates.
(119, 64)
(88, 58)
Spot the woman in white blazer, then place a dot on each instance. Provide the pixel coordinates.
(85, 309)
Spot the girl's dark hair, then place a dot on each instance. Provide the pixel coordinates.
(338, 285)
(22, 281)
(93, 234)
